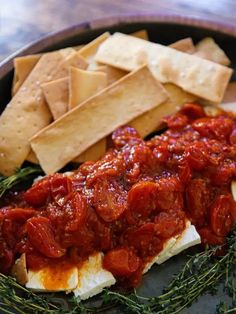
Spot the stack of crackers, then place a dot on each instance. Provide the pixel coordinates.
(65, 103)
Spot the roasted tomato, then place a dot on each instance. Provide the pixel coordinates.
(35, 260)
(125, 135)
(13, 224)
(197, 155)
(170, 193)
(74, 212)
(142, 199)
(193, 111)
(198, 200)
(110, 199)
(121, 262)
(69, 217)
(143, 239)
(221, 219)
(41, 236)
(6, 258)
(219, 127)
(169, 223)
(176, 121)
(52, 187)
(209, 237)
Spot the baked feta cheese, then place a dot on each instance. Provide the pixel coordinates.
(50, 279)
(92, 277)
(175, 245)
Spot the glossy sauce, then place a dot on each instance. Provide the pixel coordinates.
(56, 277)
(131, 201)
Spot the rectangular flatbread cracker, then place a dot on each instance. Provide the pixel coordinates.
(230, 93)
(96, 118)
(195, 75)
(29, 110)
(57, 95)
(143, 34)
(113, 74)
(152, 120)
(84, 84)
(208, 49)
(22, 67)
(89, 51)
(184, 45)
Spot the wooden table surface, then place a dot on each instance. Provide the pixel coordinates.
(22, 21)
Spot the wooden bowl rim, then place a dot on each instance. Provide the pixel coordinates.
(53, 38)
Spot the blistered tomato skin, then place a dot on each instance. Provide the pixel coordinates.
(198, 200)
(193, 111)
(131, 201)
(142, 199)
(121, 262)
(47, 189)
(42, 238)
(221, 215)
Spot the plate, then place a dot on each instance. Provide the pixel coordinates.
(161, 29)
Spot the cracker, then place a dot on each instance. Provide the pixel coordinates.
(208, 49)
(152, 120)
(32, 158)
(113, 74)
(195, 75)
(84, 84)
(93, 153)
(22, 67)
(184, 45)
(230, 93)
(142, 34)
(73, 59)
(57, 95)
(96, 118)
(88, 51)
(29, 110)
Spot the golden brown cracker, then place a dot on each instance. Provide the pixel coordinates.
(208, 49)
(168, 65)
(97, 117)
(56, 94)
(84, 84)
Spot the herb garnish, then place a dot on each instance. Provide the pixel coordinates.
(23, 174)
(200, 274)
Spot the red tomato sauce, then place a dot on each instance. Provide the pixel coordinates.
(128, 203)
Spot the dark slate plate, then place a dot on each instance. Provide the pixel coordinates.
(161, 29)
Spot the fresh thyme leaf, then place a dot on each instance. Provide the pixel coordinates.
(6, 183)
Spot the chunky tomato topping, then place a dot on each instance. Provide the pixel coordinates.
(121, 262)
(132, 200)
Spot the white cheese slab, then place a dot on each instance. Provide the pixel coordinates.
(92, 278)
(36, 281)
(188, 238)
(165, 251)
(175, 245)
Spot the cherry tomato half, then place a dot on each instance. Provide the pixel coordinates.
(110, 200)
(121, 262)
(142, 199)
(41, 236)
(221, 219)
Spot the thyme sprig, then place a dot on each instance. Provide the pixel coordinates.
(23, 174)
